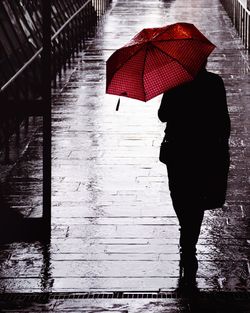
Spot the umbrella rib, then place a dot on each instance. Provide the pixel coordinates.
(143, 70)
(173, 59)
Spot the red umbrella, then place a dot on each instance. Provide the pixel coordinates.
(156, 60)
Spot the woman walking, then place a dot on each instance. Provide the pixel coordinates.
(197, 157)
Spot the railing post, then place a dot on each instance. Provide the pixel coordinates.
(46, 95)
(248, 32)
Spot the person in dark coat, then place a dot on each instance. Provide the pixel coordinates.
(197, 135)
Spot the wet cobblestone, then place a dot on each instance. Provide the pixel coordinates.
(113, 225)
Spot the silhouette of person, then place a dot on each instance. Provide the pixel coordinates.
(197, 134)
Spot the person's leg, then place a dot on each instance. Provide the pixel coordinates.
(184, 188)
(190, 220)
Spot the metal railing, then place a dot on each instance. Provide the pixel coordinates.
(71, 28)
(239, 12)
(62, 30)
(66, 41)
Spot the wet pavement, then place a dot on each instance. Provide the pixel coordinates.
(113, 225)
(139, 304)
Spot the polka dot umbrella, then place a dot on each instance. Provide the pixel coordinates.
(156, 60)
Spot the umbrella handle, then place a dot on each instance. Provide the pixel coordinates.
(118, 104)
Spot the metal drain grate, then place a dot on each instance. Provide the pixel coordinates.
(45, 297)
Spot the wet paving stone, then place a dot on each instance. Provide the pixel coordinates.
(113, 225)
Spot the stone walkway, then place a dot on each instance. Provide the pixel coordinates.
(113, 225)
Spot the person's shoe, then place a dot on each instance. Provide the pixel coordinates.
(186, 288)
(188, 269)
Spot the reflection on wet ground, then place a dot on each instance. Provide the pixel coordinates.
(113, 226)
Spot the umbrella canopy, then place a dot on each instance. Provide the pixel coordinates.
(156, 60)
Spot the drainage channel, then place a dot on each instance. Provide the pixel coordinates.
(41, 297)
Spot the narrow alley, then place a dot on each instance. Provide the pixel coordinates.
(114, 229)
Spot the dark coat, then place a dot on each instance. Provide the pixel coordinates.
(198, 129)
